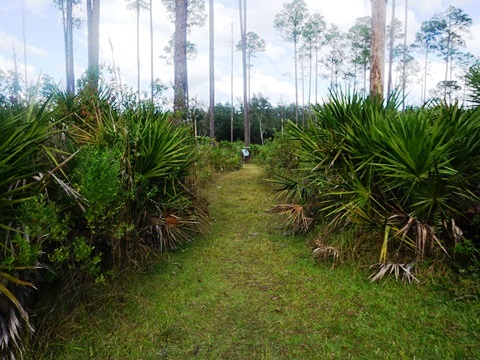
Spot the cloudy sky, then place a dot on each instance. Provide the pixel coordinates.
(270, 72)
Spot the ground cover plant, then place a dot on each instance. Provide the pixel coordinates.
(408, 179)
(248, 291)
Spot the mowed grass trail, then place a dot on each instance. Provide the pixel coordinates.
(246, 291)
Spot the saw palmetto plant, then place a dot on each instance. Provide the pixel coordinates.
(401, 175)
(86, 185)
(24, 154)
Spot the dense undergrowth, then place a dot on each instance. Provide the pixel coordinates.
(90, 186)
(399, 189)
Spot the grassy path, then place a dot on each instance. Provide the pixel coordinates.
(247, 292)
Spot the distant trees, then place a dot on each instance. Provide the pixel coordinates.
(289, 22)
(334, 58)
(266, 120)
(138, 6)
(424, 43)
(444, 34)
(69, 22)
(314, 38)
(360, 36)
(254, 44)
(343, 58)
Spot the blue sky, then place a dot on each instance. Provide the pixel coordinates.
(118, 25)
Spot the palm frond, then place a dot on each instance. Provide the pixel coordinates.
(297, 222)
(402, 272)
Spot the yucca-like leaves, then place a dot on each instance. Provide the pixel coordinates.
(164, 150)
(367, 163)
(24, 155)
(22, 142)
(473, 80)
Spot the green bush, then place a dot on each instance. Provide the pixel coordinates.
(215, 157)
(279, 156)
(97, 178)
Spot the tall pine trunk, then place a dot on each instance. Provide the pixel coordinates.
(151, 52)
(24, 44)
(212, 69)
(296, 79)
(243, 32)
(93, 24)
(70, 80)
(390, 57)
(180, 61)
(316, 74)
(138, 52)
(231, 91)
(377, 55)
(404, 80)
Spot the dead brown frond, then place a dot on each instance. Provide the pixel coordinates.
(171, 228)
(419, 236)
(325, 252)
(401, 271)
(296, 222)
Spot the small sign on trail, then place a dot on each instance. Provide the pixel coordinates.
(245, 155)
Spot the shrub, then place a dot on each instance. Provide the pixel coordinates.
(215, 157)
(97, 178)
(279, 156)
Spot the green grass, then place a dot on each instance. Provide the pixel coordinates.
(246, 291)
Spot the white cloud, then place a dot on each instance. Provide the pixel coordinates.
(8, 41)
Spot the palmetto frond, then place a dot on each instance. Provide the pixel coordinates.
(170, 228)
(402, 272)
(14, 319)
(297, 222)
(325, 252)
